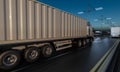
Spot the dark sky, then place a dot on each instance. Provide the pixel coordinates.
(111, 9)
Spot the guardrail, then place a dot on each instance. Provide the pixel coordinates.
(104, 62)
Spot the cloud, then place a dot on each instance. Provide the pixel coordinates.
(108, 18)
(95, 19)
(103, 23)
(80, 12)
(113, 22)
(99, 8)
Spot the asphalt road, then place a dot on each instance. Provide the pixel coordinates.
(79, 60)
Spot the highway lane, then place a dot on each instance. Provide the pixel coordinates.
(79, 60)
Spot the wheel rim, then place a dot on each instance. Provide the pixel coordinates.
(87, 40)
(79, 44)
(33, 54)
(10, 60)
(84, 42)
(48, 51)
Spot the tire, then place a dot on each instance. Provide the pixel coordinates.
(47, 51)
(84, 42)
(9, 59)
(32, 54)
(79, 43)
(88, 41)
(91, 40)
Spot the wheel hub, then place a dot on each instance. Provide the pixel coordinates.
(79, 43)
(33, 54)
(9, 60)
(48, 51)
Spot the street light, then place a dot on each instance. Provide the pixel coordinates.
(89, 10)
(113, 23)
(109, 20)
(102, 19)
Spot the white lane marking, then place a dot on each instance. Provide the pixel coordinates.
(101, 60)
(104, 65)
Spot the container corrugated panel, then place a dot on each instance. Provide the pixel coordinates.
(50, 22)
(54, 23)
(44, 21)
(86, 24)
(31, 20)
(77, 33)
(11, 19)
(74, 26)
(71, 27)
(84, 28)
(38, 21)
(80, 28)
(63, 23)
(58, 22)
(21, 19)
(2, 20)
(68, 25)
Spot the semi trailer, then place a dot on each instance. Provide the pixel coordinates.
(30, 29)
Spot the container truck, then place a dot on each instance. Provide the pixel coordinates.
(29, 29)
(115, 31)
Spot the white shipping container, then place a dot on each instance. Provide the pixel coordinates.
(23, 20)
(115, 31)
(31, 29)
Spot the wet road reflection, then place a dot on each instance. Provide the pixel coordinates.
(81, 60)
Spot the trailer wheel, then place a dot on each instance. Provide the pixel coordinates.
(79, 43)
(47, 51)
(9, 59)
(88, 41)
(32, 54)
(84, 42)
